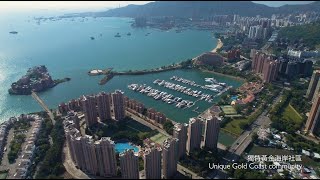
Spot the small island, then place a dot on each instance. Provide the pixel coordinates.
(37, 79)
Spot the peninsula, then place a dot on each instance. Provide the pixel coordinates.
(37, 79)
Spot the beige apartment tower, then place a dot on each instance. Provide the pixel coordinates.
(194, 134)
(152, 163)
(180, 132)
(170, 159)
(312, 122)
(106, 155)
(93, 157)
(311, 92)
(90, 111)
(103, 105)
(129, 164)
(211, 134)
(118, 105)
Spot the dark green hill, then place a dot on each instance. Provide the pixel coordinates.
(191, 9)
(309, 34)
(206, 9)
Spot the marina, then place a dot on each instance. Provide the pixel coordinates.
(161, 95)
(218, 88)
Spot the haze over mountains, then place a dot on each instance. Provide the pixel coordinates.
(205, 9)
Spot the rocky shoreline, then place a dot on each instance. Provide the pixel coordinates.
(37, 79)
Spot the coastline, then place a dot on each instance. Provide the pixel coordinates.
(219, 46)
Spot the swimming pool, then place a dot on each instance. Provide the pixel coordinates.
(122, 146)
(234, 98)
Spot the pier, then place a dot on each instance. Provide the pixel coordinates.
(109, 74)
(43, 105)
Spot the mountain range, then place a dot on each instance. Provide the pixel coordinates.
(205, 9)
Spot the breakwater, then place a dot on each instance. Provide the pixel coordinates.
(109, 74)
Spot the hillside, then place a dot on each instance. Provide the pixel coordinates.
(205, 9)
(190, 9)
(308, 34)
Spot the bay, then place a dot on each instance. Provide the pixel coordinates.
(65, 47)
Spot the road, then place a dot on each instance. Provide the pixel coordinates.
(43, 105)
(243, 141)
(144, 122)
(182, 170)
(5, 162)
(70, 166)
(317, 141)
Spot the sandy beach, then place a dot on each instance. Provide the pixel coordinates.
(219, 45)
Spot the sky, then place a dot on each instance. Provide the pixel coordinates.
(98, 5)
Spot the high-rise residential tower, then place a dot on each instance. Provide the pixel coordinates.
(314, 116)
(194, 134)
(211, 134)
(313, 84)
(152, 163)
(89, 108)
(170, 159)
(180, 132)
(103, 104)
(129, 164)
(118, 105)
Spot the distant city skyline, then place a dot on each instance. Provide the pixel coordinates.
(100, 5)
(281, 3)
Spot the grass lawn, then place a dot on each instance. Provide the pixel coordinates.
(3, 175)
(233, 127)
(257, 150)
(136, 126)
(228, 110)
(159, 138)
(291, 114)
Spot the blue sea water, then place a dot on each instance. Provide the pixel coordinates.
(65, 47)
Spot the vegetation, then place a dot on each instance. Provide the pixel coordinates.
(15, 147)
(285, 115)
(309, 34)
(246, 173)
(125, 129)
(257, 150)
(237, 126)
(52, 166)
(42, 144)
(186, 64)
(141, 164)
(298, 143)
(199, 159)
(168, 127)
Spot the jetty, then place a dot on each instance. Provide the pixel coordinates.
(109, 74)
